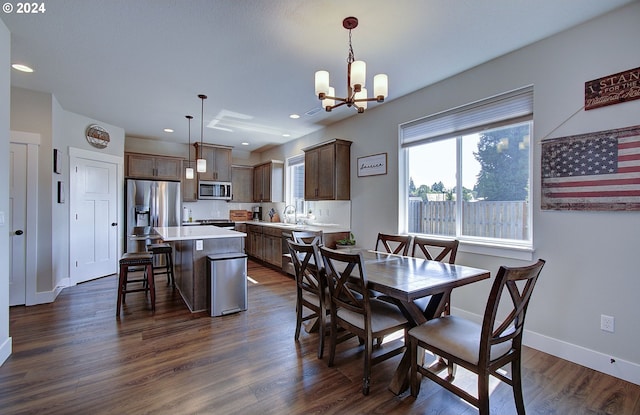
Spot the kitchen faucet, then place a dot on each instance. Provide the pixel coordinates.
(295, 213)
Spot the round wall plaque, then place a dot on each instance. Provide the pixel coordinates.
(97, 136)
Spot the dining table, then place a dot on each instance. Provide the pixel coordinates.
(405, 279)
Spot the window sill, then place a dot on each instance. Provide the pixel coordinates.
(521, 252)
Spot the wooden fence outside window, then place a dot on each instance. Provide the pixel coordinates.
(487, 219)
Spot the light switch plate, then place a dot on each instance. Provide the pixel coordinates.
(199, 245)
(1, 218)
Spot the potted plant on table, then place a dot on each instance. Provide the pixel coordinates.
(346, 243)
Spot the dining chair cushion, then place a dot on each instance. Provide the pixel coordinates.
(383, 316)
(458, 336)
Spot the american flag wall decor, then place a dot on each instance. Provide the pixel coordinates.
(595, 171)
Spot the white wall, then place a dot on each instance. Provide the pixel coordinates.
(591, 256)
(5, 82)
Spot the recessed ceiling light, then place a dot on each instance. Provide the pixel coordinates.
(286, 135)
(168, 130)
(21, 68)
(245, 143)
(294, 116)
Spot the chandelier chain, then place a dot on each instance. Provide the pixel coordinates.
(351, 58)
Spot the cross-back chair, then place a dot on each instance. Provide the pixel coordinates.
(435, 249)
(353, 310)
(394, 244)
(481, 348)
(311, 292)
(308, 237)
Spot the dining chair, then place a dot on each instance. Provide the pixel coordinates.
(481, 348)
(394, 244)
(308, 237)
(353, 311)
(435, 249)
(311, 292)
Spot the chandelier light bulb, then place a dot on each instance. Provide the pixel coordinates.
(322, 83)
(329, 102)
(358, 75)
(380, 87)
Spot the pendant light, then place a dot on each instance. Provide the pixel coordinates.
(188, 173)
(201, 163)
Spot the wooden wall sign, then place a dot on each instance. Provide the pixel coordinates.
(612, 89)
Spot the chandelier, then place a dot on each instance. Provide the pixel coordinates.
(356, 74)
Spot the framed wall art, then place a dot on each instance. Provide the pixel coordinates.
(594, 171)
(373, 165)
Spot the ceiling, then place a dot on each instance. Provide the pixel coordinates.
(140, 64)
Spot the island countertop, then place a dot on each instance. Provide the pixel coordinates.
(187, 233)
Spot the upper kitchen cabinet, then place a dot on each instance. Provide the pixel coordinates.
(189, 186)
(148, 166)
(218, 162)
(268, 182)
(242, 183)
(327, 171)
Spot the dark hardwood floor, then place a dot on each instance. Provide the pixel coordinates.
(74, 357)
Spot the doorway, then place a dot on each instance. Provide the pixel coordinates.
(93, 222)
(23, 176)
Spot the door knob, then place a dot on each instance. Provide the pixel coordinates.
(114, 224)
(18, 232)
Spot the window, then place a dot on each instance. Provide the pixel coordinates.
(467, 171)
(295, 183)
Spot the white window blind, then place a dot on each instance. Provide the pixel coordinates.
(507, 108)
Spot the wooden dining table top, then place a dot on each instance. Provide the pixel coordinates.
(408, 278)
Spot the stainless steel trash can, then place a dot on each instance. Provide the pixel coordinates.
(228, 275)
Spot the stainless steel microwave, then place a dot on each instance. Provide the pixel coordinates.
(214, 190)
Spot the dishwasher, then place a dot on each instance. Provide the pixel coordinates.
(228, 276)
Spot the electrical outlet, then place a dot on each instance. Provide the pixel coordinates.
(199, 244)
(607, 323)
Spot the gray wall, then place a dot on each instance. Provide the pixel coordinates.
(591, 256)
(40, 112)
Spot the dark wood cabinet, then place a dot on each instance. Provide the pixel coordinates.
(218, 162)
(189, 186)
(242, 183)
(149, 166)
(268, 182)
(327, 170)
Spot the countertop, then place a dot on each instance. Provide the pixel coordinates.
(326, 228)
(185, 233)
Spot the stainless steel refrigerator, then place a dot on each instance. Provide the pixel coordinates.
(148, 204)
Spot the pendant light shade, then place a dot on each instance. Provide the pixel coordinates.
(201, 164)
(188, 173)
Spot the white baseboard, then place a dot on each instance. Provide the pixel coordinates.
(601, 362)
(44, 297)
(5, 350)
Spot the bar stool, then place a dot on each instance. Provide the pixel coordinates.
(136, 259)
(167, 268)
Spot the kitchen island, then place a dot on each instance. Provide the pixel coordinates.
(191, 245)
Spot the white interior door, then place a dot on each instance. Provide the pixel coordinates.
(93, 222)
(18, 217)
